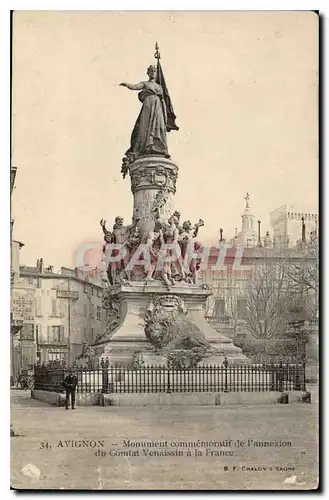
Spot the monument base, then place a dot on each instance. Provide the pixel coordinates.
(128, 344)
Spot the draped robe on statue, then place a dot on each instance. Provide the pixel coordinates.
(149, 134)
(155, 119)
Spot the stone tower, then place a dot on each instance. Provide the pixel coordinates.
(248, 234)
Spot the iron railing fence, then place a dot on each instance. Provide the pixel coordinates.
(153, 379)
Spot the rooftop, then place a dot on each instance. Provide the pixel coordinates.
(92, 275)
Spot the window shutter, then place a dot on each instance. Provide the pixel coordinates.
(49, 333)
(61, 333)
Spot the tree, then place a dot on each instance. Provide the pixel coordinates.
(297, 314)
(303, 274)
(304, 270)
(266, 297)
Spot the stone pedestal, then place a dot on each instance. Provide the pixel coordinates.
(129, 338)
(149, 175)
(177, 323)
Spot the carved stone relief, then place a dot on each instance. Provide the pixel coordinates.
(168, 328)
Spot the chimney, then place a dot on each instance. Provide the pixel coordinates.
(221, 235)
(303, 231)
(236, 232)
(40, 265)
(259, 242)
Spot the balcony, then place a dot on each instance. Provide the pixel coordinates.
(53, 342)
(67, 294)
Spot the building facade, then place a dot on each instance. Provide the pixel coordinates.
(229, 284)
(68, 311)
(232, 280)
(22, 310)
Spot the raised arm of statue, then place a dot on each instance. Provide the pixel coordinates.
(103, 225)
(196, 227)
(108, 236)
(133, 86)
(196, 230)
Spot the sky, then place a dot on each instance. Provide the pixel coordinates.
(244, 86)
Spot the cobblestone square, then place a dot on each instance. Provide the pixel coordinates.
(67, 446)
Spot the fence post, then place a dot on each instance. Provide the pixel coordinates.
(297, 384)
(303, 388)
(225, 364)
(105, 375)
(273, 376)
(280, 373)
(168, 380)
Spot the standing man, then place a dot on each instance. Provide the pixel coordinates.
(70, 384)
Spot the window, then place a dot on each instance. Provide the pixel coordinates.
(99, 312)
(27, 332)
(56, 333)
(85, 310)
(53, 307)
(92, 310)
(37, 333)
(92, 333)
(30, 280)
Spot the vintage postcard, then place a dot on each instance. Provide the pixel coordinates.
(164, 238)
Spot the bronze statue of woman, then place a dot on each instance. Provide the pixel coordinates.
(156, 118)
(149, 135)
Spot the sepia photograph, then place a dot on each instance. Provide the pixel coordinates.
(164, 235)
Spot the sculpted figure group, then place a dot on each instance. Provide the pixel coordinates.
(121, 237)
(170, 248)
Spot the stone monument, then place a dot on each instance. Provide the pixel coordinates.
(154, 303)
